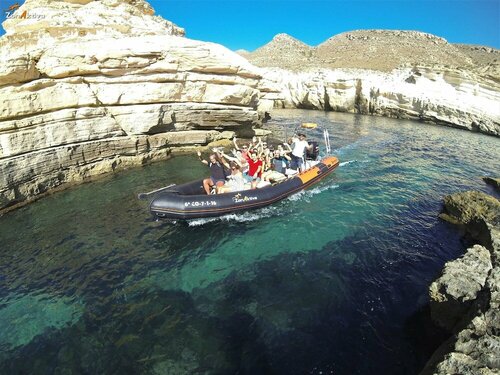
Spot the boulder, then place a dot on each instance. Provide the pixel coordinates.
(475, 212)
(453, 293)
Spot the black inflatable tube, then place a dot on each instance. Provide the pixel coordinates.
(189, 201)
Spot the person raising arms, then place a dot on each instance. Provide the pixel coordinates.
(217, 165)
(255, 167)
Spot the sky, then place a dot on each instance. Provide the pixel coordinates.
(249, 24)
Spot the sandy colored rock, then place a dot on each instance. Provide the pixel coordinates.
(432, 95)
(476, 211)
(77, 72)
(463, 278)
(90, 87)
(466, 298)
(393, 73)
(454, 291)
(380, 50)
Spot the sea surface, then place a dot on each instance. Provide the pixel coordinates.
(333, 280)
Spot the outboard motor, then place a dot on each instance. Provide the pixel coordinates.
(313, 153)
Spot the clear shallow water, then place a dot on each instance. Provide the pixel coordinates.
(333, 280)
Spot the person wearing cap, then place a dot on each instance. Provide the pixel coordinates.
(299, 148)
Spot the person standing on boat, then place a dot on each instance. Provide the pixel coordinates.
(299, 148)
(218, 174)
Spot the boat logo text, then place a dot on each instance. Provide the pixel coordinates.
(238, 198)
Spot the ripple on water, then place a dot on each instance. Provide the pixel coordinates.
(329, 280)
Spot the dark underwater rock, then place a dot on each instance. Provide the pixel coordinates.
(495, 182)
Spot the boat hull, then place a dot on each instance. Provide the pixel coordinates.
(188, 201)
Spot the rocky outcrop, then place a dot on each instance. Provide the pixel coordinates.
(466, 298)
(380, 50)
(400, 74)
(283, 51)
(455, 291)
(88, 87)
(476, 212)
(450, 97)
(495, 182)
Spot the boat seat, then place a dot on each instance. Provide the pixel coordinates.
(262, 184)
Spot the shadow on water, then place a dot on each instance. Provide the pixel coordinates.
(321, 311)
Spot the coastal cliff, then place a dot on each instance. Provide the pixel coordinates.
(88, 87)
(465, 299)
(400, 74)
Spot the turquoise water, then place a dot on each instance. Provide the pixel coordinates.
(333, 280)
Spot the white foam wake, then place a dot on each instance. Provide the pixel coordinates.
(239, 217)
(261, 213)
(346, 163)
(306, 194)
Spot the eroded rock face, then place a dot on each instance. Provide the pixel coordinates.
(466, 298)
(439, 95)
(393, 73)
(91, 86)
(477, 212)
(453, 293)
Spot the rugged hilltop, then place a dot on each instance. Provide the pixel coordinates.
(401, 74)
(381, 50)
(283, 51)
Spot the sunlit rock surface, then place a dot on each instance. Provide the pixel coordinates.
(91, 86)
(465, 299)
(450, 97)
(394, 73)
(88, 87)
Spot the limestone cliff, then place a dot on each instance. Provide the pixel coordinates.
(90, 86)
(455, 98)
(402, 74)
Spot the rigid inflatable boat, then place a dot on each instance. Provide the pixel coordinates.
(189, 201)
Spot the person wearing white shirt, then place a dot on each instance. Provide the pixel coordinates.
(299, 148)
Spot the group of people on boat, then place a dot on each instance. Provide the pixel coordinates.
(254, 164)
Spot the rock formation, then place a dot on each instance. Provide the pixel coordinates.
(495, 182)
(401, 74)
(91, 86)
(88, 87)
(466, 298)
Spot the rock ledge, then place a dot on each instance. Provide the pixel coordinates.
(465, 300)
